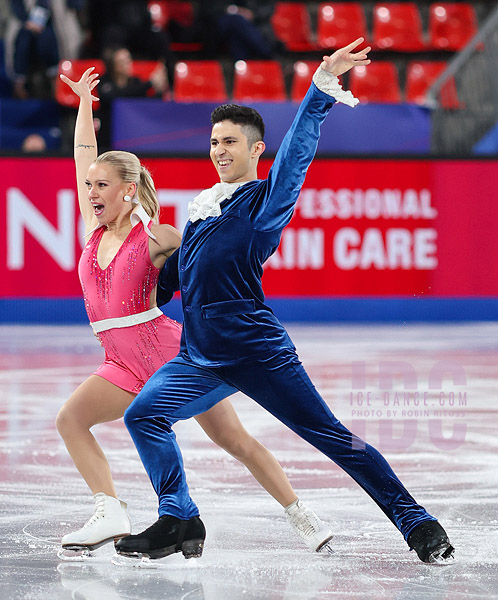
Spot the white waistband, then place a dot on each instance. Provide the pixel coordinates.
(126, 321)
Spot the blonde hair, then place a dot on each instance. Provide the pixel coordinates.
(130, 170)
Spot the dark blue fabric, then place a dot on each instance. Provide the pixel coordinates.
(182, 389)
(41, 45)
(28, 46)
(243, 38)
(168, 282)
(232, 341)
(221, 258)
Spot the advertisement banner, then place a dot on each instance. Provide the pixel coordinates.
(361, 228)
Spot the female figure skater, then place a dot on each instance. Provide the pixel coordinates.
(119, 267)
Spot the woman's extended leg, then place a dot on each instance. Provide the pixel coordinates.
(223, 426)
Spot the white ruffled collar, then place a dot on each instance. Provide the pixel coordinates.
(138, 215)
(207, 203)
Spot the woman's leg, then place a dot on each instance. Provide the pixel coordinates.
(96, 400)
(223, 426)
(180, 390)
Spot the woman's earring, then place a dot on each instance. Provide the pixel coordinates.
(127, 198)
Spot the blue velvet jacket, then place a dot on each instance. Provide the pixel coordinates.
(219, 265)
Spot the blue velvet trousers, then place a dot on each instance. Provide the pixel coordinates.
(181, 389)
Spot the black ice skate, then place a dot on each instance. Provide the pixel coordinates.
(430, 542)
(166, 536)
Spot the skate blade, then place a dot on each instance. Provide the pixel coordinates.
(75, 554)
(136, 561)
(326, 548)
(444, 556)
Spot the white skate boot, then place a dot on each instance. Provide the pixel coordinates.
(315, 534)
(108, 523)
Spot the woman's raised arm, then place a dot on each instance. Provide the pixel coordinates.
(85, 142)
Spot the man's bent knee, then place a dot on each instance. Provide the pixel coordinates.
(138, 410)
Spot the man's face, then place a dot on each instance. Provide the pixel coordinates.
(230, 153)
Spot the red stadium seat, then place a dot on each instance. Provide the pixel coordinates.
(74, 69)
(376, 83)
(339, 23)
(164, 11)
(397, 26)
(292, 26)
(451, 25)
(303, 72)
(258, 80)
(199, 81)
(420, 75)
(159, 14)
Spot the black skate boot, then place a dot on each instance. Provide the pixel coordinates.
(166, 536)
(430, 542)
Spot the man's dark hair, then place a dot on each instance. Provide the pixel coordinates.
(246, 117)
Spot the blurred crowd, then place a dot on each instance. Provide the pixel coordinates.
(39, 34)
(135, 45)
(39, 37)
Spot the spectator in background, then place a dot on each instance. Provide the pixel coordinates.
(244, 28)
(5, 82)
(119, 82)
(4, 13)
(128, 24)
(38, 34)
(34, 143)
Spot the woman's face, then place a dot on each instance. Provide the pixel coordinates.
(106, 192)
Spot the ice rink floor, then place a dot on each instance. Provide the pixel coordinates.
(437, 425)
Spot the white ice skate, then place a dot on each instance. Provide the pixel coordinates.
(108, 523)
(315, 534)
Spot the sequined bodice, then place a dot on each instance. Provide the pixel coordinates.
(124, 287)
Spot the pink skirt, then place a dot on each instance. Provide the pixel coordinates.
(133, 354)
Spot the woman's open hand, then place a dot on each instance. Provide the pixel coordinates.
(84, 87)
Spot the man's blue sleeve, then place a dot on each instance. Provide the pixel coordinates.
(168, 282)
(293, 158)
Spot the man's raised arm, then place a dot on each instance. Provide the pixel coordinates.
(298, 148)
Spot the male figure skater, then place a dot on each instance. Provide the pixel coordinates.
(232, 341)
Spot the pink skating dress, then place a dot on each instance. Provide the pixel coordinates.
(134, 353)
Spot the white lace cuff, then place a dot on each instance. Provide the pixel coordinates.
(328, 83)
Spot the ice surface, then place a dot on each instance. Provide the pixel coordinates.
(444, 449)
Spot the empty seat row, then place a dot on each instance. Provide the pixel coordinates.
(260, 81)
(395, 26)
(379, 82)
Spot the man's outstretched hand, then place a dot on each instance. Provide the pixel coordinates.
(345, 59)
